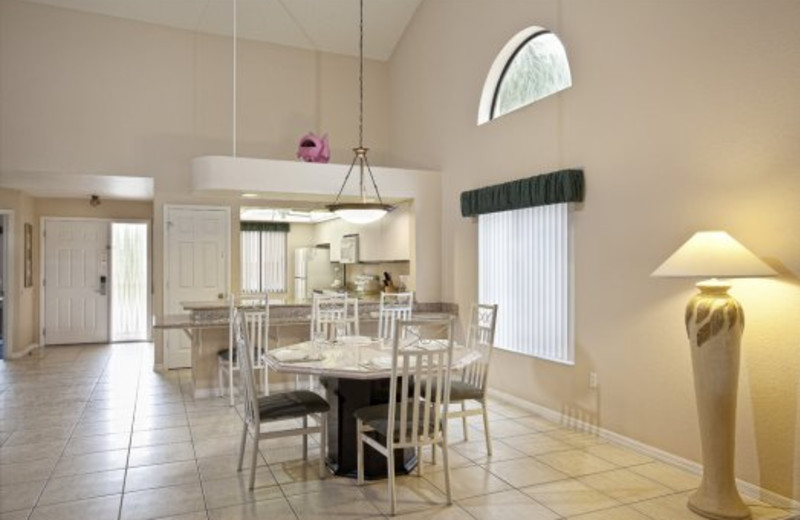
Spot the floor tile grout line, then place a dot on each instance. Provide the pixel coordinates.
(72, 430)
(130, 438)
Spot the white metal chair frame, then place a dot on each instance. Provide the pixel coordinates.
(255, 311)
(415, 412)
(475, 376)
(334, 315)
(393, 307)
(278, 404)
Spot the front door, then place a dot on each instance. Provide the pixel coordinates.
(76, 283)
(196, 266)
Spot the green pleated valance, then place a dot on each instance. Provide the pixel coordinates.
(539, 190)
(282, 227)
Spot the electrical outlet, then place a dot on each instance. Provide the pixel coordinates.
(592, 379)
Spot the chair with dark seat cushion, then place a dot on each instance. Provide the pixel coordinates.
(472, 384)
(413, 418)
(275, 407)
(255, 309)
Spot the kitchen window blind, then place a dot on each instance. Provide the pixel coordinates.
(525, 266)
(263, 261)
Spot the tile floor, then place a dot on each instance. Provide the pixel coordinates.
(92, 432)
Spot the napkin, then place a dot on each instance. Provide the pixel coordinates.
(290, 355)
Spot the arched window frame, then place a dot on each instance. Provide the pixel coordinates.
(500, 66)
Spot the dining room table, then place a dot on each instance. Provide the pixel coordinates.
(355, 372)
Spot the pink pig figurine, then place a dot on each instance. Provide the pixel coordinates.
(313, 148)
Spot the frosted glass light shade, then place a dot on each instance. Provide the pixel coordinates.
(360, 213)
(713, 254)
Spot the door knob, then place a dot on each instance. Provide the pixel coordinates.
(220, 296)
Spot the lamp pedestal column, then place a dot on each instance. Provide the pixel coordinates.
(714, 323)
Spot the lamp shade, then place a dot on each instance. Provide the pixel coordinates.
(713, 254)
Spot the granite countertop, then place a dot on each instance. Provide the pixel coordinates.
(209, 315)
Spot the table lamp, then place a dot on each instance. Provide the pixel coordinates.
(714, 323)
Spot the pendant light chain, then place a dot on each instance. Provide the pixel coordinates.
(235, 44)
(361, 77)
(360, 212)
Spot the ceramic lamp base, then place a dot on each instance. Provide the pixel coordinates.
(714, 323)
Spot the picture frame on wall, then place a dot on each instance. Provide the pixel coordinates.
(28, 274)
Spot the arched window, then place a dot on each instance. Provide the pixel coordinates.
(531, 66)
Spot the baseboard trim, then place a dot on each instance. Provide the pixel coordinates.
(27, 350)
(748, 489)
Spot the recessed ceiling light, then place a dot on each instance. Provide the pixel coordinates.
(249, 195)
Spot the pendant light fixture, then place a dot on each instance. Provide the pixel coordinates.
(362, 212)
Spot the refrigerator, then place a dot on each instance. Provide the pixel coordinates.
(312, 270)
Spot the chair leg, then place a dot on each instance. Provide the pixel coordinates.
(464, 420)
(390, 471)
(241, 447)
(220, 381)
(305, 438)
(446, 462)
(359, 452)
(265, 368)
(256, 436)
(323, 441)
(486, 428)
(230, 382)
(419, 460)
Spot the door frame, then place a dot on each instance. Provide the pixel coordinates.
(42, 292)
(165, 265)
(9, 284)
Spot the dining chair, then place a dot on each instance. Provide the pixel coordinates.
(297, 404)
(471, 385)
(334, 315)
(255, 314)
(393, 307)
(414, 417)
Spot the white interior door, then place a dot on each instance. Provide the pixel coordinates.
(196, 242)
(76, 283)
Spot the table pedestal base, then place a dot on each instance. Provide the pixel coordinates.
(345, 397)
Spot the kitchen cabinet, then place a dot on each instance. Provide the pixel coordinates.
(388, 239)
(329, 232)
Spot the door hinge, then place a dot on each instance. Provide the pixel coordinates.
(44, 282)
(44, 332)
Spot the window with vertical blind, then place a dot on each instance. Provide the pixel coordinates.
(525, 267)
(263, 257)
(525, 260)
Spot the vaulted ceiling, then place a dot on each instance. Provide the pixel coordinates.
(324, 25)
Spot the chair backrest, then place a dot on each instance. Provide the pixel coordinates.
(334, 315)
(244, 351)
(480, 339)
(422, 353)
(394, 306)
(255, 313)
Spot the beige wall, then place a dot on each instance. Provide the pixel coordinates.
(684, 117)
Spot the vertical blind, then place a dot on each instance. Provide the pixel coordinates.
(263, 261)
(525, 266)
